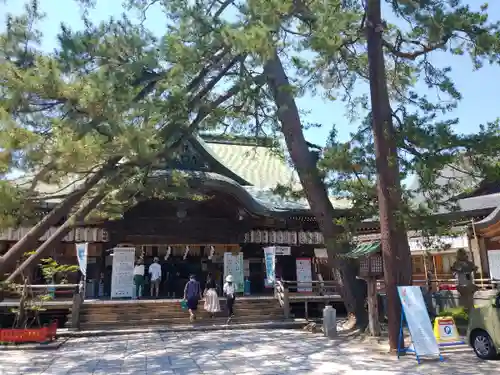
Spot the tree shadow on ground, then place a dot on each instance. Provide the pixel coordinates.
(229, 352)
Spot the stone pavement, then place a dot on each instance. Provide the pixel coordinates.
(241, 352)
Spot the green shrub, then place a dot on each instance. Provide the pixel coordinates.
(458, 313)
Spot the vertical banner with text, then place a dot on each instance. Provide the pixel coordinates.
(233, 265)
(270, 261)
(122, 272)
(82, 251)
(304, 275)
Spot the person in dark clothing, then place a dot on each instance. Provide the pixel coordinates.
(192, 295)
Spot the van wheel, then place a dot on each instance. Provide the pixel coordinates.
(483, 346)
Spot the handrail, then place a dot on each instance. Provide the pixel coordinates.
(482, 284)
(54, 286)
(281, 293)
(333, 282)
(320, 287)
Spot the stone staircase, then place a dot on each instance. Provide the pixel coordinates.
(149, 313)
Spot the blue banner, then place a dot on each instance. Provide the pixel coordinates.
(270, 259)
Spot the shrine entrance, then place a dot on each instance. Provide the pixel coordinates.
(177, 262)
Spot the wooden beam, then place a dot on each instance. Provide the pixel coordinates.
(491, 231)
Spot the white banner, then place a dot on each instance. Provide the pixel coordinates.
(270, 259)
(82, 252)
(233, 265)
(122, 274)
(423, 339)
(304, 275)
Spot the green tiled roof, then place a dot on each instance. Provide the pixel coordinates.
(364, 249)
(256, 164)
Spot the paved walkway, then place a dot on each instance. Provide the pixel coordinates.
(227, 352)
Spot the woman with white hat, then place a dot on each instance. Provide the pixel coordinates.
(229, 290)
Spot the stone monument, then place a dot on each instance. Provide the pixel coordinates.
(463, 270)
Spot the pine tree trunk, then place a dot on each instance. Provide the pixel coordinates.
(58, 235)
(312, 184)
(395, 248)
(30, 240)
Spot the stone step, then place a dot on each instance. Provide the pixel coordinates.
(163, 308)
(172, 310)
(139, 304)
(168, 315)
(172, 307)
(177, 321)
(94, 315)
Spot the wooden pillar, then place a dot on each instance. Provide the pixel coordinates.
(373, 309)
(435, 268)
(75, 310)
(286, 301)
(100, 267)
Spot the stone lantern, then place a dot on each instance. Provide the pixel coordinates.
(463, 270)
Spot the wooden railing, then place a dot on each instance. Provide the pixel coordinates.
(77, 291)
(290, 291)
(447, 283)
(315, 287)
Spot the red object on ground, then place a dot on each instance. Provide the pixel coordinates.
(447, 287)
(21, 335)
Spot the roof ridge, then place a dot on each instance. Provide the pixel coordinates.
(238, 140)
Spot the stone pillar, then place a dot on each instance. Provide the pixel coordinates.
(329, 321)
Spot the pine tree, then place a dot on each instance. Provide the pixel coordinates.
(408, 136)
(112, 97)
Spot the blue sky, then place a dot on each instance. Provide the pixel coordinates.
(480, 89)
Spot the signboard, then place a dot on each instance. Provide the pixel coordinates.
(233, 265)
(269, 258)
(304, 275)
(82, 252)
(420, 326)
(321, 253)
(282, 250)
(446, 332)
(122, 274)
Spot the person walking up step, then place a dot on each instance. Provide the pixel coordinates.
(229, 292)
(212, 305)
(192, 295)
